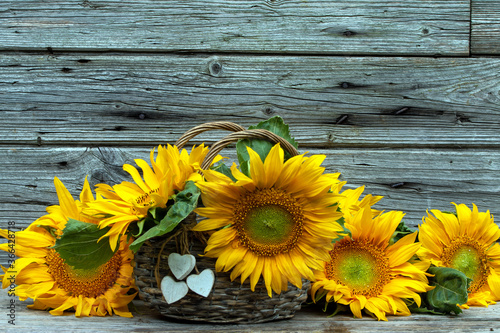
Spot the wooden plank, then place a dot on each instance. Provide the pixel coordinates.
(485, 27)
(411, 180)
(108, 99)
(305, 320)
(322, 27)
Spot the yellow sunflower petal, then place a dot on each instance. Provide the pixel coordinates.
(150, 177)
(288, 269)
(215, 176)
(40, 288)
(220, 238)
(403, 250)
(257, 171)
(66, 201)
(28, 238)
(268, 276)
(449, 221)
(246, 266)
(68, 303)
(355, 307)
(273, 165)
(242, 180)
(230, 259)
(289, 171)
(86, 194)
(494, 285)
(137, 177)
(255, 275)
(214, 212)
(210, 224)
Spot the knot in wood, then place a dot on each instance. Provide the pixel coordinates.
(215, 68)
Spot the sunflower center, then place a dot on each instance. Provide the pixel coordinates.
(87, 283)
(466, 255)
(268, 221)
(360, 266)
(269, 224)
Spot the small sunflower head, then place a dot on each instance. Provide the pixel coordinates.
(465, 241)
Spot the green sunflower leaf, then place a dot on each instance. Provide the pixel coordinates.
(450, 290)
(414, 308)
(184, 203)
(79, 248)
(262, 147)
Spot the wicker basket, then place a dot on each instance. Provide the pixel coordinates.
(228, 302)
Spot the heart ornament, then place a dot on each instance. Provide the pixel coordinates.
(181, 266)
(173, 290)
(202, 283)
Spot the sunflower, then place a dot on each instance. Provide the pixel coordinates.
(42, 275)
(366, 273)
(129, 202)
(278, 223)
(466, 242)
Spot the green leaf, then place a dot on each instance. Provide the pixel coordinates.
(136, 229)
(79, 248)
(262, 147)
(414, 308)
(184, 203)
(152, 212)
(450, 289)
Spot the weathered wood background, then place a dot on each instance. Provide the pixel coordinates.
(402, 96)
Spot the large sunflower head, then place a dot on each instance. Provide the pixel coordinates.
(365, 273)
(278, 223)
(465, 241)
(42, 275)
(129, 202)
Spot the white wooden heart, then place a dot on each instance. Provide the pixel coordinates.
(201, 283)
(173, 290)
(181, 266)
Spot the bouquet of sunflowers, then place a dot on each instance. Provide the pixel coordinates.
(203, 241)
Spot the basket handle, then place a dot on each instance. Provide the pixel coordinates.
(246, 134)
(216, 125)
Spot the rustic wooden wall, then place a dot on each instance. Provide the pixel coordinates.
(399, 95)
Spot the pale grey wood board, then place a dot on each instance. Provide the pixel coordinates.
(485, 27)
(321, 27)
(306, 320)
(114, 99)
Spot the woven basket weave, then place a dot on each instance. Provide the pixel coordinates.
(228, 302)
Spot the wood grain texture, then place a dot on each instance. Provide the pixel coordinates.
(411, 180)
(305, 320)
(109, 99)
(265, 26)
(485, 27)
